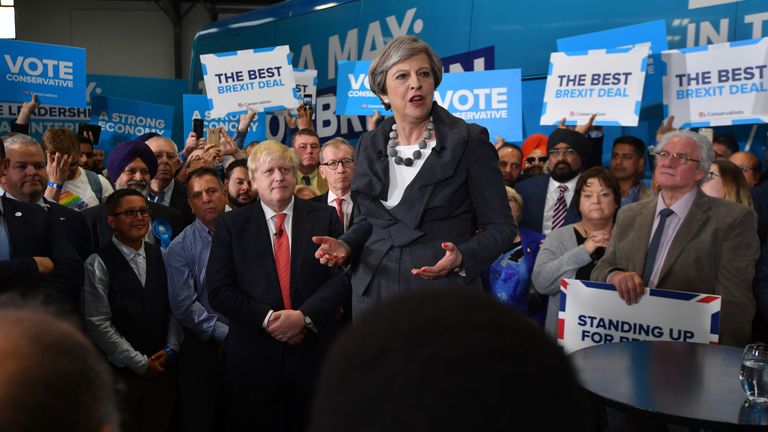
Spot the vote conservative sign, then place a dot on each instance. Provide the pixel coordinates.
(717, 85)
(261, 78)
(592, 313)
(125, 119)
(55, 73)
(606, 82)
(196, 107)
(353, 91)
(489, 98)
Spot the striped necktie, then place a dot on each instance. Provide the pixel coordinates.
(558, 215)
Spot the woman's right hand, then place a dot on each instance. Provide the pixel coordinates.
(332, 252)
(595, 240)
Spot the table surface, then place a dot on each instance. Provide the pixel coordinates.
(679, 383)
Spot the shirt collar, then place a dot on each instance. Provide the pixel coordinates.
(332, 197)
(39, 202)
(269, 213)
(127, 251)
(553, 184)
(201, 229)
(682, 205)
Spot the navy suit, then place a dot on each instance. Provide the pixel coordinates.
(33, 233)
(242, 284)
(457, 196)
(73, 226)
(534, 194)
(179, 202)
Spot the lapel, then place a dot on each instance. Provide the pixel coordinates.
(697, 216)
(301, 226)
(639, 236)
(18, 233)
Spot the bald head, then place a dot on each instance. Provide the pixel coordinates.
(49, 367)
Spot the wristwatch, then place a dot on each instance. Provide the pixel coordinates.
(309, 324)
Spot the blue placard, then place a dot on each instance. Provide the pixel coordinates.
(55, 73)
(196, 106)
(489, 98)
(124, 119)
(654, 32)
(353, 93)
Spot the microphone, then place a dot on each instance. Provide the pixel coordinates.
(279, 233)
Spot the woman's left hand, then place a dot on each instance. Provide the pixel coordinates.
(447, 263)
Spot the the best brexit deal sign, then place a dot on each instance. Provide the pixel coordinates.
(592, 313)
(489, 98)
(353, 91)
(605, 82)
(262, 78)
(56, 74)
(717, 85)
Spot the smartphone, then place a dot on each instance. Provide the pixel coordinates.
(95, 130)
(308, 101)
(213, 137)
(197, 127)
(707, 132)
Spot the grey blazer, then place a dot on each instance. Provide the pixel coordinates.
(559, 257)
(458, 191)
(713, 252)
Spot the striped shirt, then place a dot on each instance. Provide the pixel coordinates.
(185, 264)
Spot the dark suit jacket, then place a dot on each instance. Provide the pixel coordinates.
(242, 284)
(101, 235)
(73, 226)
(323, 199)
(534, 194)
(713, 252)
(32, 232)
(179, 202)
(458, 190)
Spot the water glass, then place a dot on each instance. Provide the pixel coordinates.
(754, 373)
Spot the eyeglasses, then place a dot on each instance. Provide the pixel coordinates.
(711, 176)
(565, 152)
(132, 172)
(680, 158)
(333, 164)
(169, 156)
(532, 160)
(745, 169)
(132, 213)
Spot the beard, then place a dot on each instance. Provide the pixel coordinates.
(534, 171)
(563, 172)
(138, 185)
(234, 201)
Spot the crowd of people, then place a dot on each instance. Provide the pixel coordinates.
(214, 279)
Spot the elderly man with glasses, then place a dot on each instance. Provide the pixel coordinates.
(337, 167)
(685, 240)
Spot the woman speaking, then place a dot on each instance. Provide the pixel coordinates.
(431, 210)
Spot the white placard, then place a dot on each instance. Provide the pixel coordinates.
(262, 78)
(592, 313)
(717, 85)
(606, 82)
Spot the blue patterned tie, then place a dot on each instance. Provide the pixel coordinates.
(653, 248)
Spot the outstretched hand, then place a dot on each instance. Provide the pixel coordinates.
(582, 129)
(332, 252)
(447, 263)
(665, 127)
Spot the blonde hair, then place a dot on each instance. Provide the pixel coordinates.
(267, 151)
(735, 185)
(515, 197)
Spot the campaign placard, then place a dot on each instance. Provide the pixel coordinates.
(196, 107)
(261, 78)
(125, 119)
(606, 82)
(353, 92)
(717, 85)
(55, 73)
(592, 313)
(654, 32)
(489, 98)
(306, 84)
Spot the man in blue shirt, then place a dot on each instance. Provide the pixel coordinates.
(200, 366)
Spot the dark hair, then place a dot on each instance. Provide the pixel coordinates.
(85, 140)
(2, 147)
(605, 177)
(202, 172)
(240, 163)
(57, 380)
(113, 201)
(403, 367)
(307, 132)
(727, 140)
(635, 142)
